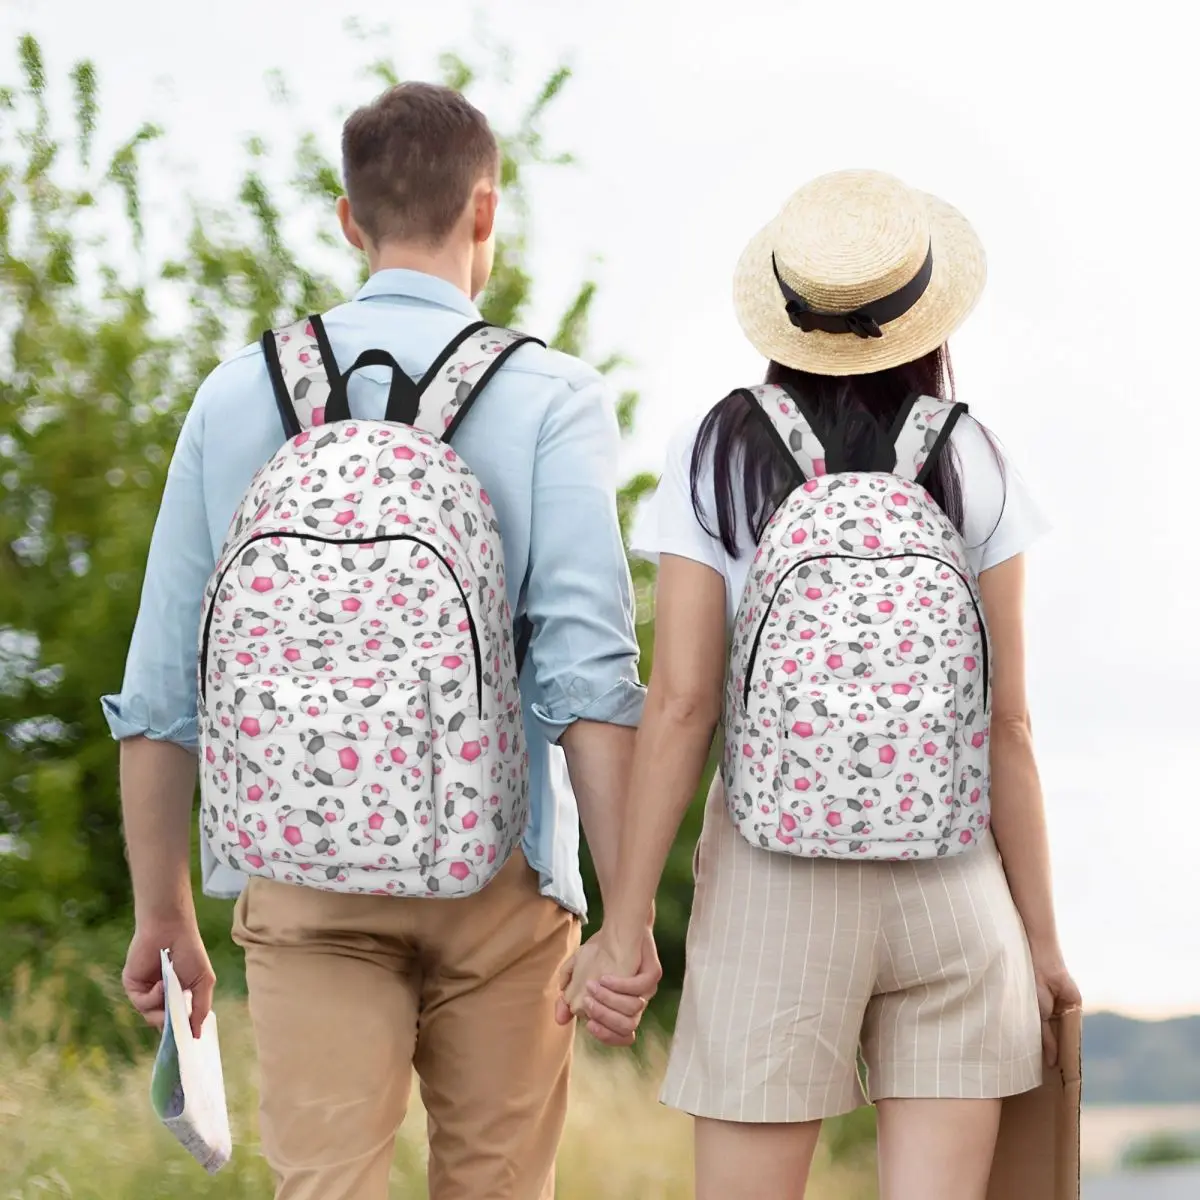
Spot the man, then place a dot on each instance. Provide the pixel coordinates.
(349, 992)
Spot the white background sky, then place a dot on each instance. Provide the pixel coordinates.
(1066, 135)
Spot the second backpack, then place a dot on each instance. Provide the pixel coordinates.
(857, 703)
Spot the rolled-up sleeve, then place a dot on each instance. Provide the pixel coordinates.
(579, 596)
(158, 694)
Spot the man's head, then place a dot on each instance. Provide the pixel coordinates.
(421, 168)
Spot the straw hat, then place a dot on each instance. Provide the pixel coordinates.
(857, 273)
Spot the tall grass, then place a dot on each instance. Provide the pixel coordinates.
(77, 1123)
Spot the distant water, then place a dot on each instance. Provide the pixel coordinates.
(1160, 1183)
(1106, 1132)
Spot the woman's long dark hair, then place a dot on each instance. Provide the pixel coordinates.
(856, 412)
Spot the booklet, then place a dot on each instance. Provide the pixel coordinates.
(187, 1089)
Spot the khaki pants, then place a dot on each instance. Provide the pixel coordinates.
(349, 993)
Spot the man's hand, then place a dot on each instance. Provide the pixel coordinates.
(142, 977)
(609, 989)
(157, 782)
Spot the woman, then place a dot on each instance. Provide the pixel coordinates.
(828, 920)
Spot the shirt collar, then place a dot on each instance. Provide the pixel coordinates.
(415, 285)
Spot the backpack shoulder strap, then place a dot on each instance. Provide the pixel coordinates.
(450, 387)
(303, 372)
(792, 425)
(306, 381)
(920, 433)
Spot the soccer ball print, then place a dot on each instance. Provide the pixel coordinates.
(263, 570)
(353, 469)
(368, 558)
(313, 705)
(912, 806)
(845, 818)
(401, 461)
(799, 775)
(872, 756)
(380, 648)
(257, 712)
(465, 742)
(912, 648)
(331, 515)
(448, 670)
(336, 607)
(453, 876)
(255, 784)
(384, 825)
(305, 833)
(465, 809)
(872, 608)
(848, 660)
(898, 697)
(806, 716)
(303, 656)
(405, 754)
(253, 624)
(362, 692)
(859, 535)
(332, 760)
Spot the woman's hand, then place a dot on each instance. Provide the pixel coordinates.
(1056, 993)
(610, 987)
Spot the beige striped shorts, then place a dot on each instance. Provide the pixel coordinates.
(797, 968)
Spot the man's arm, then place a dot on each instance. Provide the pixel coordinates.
(579, 600)
(158, 780)
(155, 719)
(584, 649)
(598, 759)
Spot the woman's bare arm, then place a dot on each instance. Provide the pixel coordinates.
(683, 708)
(1018, 811)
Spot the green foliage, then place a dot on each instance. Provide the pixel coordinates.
(1162, 1149)
(851, 1139)
(87, 389)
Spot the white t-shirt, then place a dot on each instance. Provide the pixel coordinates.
(1000, 518)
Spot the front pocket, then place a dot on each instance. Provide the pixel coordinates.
(868, 762)
(333, 774)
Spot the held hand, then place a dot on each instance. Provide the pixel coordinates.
(142, 977)
(1057, 993)
(603, 986)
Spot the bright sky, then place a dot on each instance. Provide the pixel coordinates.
(1063, 133)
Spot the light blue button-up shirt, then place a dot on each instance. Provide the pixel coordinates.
(542, 439)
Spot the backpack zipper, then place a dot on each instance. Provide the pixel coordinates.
(329, 541)
(863, 558)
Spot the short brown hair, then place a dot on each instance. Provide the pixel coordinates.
(410, 159)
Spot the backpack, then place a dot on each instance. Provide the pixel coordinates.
(360, 724)
(857, 705)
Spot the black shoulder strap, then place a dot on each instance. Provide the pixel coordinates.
(921, 432)
(403, 396)
(450, 387)
(793, 426)
(524, 635)
(310, 390)
(303, 373)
